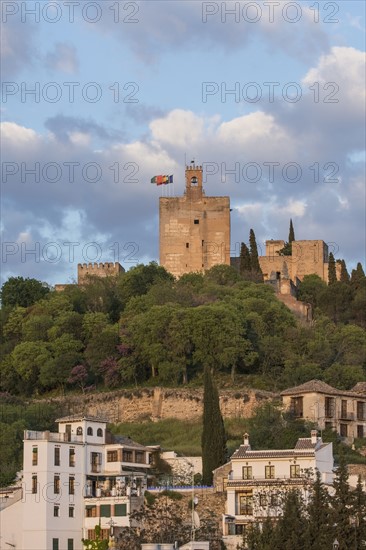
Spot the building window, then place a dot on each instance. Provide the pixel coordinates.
(140, 456)
(360, 410)
(247, 472)
(343, 430)
(246, 505)
(297, 407)
(71, 512)
(127, 456)
(57, 456)
(56, 485)
(360, 431)
(196, 222)
(187, 245)
(96, 462)
(56, 511)
(105, 510)
(344, 408)
(70, 544)
(112, 456)
(71, 458)
(79, 431)
(55, 544)
(329, 407)
(270, 472)
(34, 485)
(274, 499)
(120, 510)
(91, 512)
(294, 470)
(99, 432)
(263, 500)
(89, 431)
(34, 456)
(71, 485)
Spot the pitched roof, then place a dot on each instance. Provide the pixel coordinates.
(271, 453)
(126, 442)
(318, 386)
(311, 387)
(80, 418)
(360, 387)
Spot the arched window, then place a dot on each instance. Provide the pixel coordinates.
(90, 431)
(79, 431)
(99, 432)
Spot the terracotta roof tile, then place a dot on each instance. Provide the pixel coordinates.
(317, 386)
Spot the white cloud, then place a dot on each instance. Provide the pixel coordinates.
(63, 58)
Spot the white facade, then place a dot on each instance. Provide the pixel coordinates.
(72, 481)
(258, 480)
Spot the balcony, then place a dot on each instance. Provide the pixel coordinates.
(345, 415)
(52, 436)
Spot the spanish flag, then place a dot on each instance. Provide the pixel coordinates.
(162, 180)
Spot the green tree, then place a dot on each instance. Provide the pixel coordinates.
(341, 503)
(287, 249)
(359, 514)
(214, 452)
(18, 291)
(245, 265)
(254, 261)
(319, 529)
(98, 543)
(332, 273)
(357, 275)
(344, 277)
(311, 288)
(290, 531)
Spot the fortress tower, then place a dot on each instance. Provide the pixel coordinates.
(194, 229)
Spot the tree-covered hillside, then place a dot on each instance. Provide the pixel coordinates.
(144, 327)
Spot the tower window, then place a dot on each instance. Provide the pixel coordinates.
(196, 222)
(187, 245)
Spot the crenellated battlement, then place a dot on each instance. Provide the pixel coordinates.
(103, 269)
(193, 167)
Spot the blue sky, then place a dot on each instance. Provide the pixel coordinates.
(173, 65)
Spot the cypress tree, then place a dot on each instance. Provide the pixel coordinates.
(359, 514)
(213, 435)
(291, 233)
(357, 276)
(319, 532)
(332, 274)
(287, 249)
(342, 507)
(344, 278)
(254, 261)
(290, 532)
(245, 264)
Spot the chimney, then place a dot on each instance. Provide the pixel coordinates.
(246, 439)
(314, 436)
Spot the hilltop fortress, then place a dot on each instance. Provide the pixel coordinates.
(194, 235)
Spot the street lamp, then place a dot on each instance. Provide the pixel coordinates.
(335, 544)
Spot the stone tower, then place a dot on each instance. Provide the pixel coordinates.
(194, 228)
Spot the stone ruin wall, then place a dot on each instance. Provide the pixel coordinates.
(160, 403)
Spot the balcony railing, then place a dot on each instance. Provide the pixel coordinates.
(345, 415)
(52, 436)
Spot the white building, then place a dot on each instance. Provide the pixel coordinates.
(258, 479)
(72, 481)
